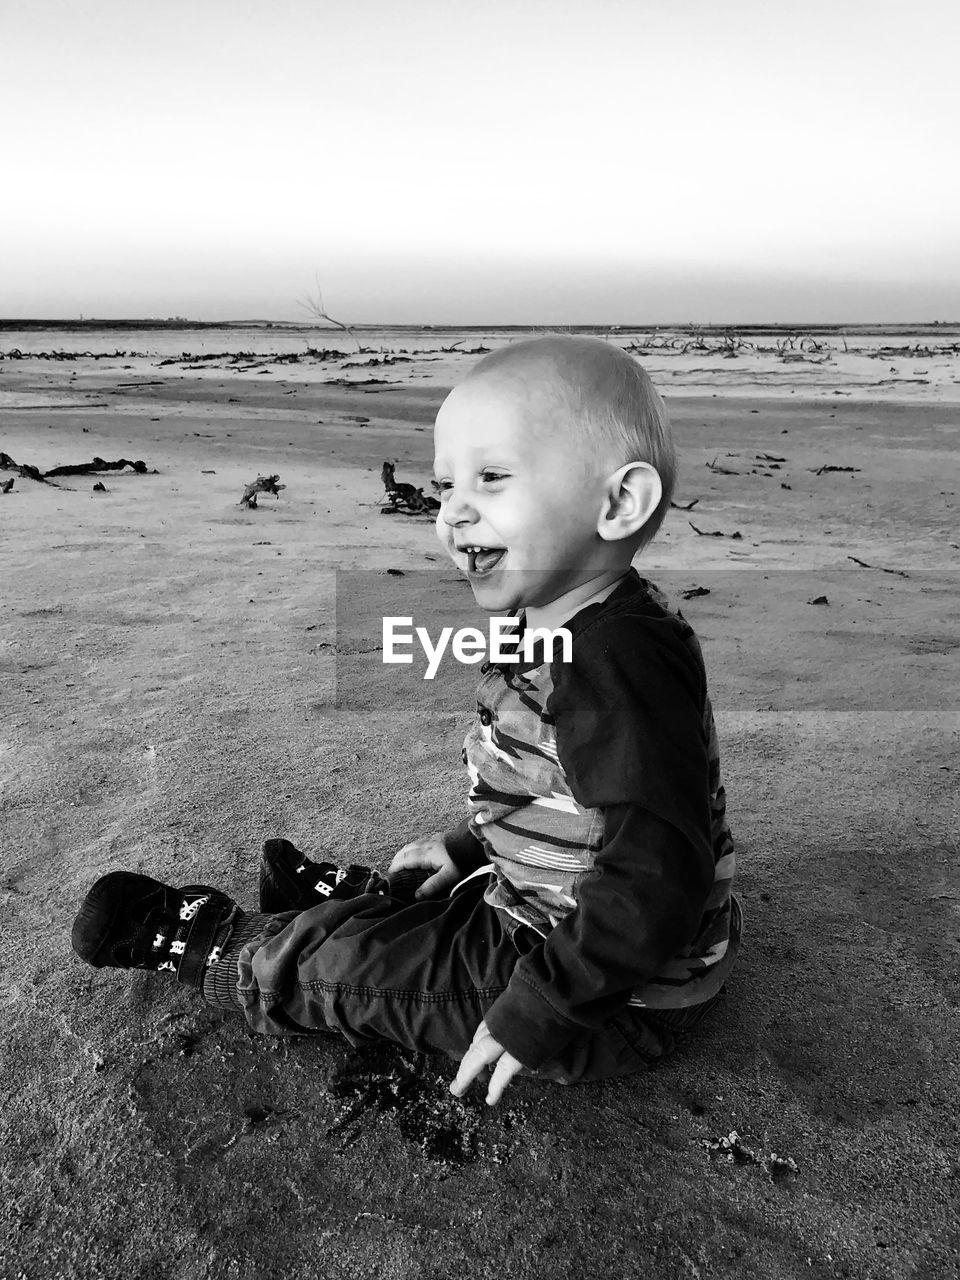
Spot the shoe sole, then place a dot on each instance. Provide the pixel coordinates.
(112, 896)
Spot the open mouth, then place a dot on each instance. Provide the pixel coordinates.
(483, 560)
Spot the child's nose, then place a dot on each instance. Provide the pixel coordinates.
(458, 509)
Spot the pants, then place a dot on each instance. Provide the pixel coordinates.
(419, 974)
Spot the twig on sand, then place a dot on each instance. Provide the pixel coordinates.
(819, 471)
(713, 533)
(883, 569)
(262, 484)
(723, 471)
(685, 506)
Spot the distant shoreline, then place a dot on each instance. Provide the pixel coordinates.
(79, 326)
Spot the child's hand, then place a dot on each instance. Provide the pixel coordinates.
(483, 1052)
(429, 852)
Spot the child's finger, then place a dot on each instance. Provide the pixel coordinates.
(440, 882)
(428, 851)
(507, 1067)
(430, 888)
(484, 1051)
(410, 857)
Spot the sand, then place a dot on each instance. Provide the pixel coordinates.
(172, 696)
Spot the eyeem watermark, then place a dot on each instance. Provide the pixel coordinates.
(469, 645)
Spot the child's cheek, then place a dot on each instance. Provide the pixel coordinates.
(444, 534)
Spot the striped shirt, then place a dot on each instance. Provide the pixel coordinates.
(627, 723)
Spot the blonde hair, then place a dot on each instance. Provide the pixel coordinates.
(609, 398)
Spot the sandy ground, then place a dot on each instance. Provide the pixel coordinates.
(171, 696)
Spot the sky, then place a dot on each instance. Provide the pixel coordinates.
(498, 162)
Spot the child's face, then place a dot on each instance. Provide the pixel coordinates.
(519, 506)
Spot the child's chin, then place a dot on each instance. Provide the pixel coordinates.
(493, 597)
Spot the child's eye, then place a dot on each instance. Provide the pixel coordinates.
(492, 477)
(443, 486)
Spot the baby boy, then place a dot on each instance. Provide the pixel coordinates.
(580, 920)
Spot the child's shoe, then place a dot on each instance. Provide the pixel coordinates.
(290, 881)
(130, 921)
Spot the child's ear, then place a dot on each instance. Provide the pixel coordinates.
(631, 495)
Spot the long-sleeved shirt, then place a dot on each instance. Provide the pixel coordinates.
(596, 796)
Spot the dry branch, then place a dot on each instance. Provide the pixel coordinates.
(25, 469)
(713, 533)
(98, 464)
(402, 498)
(31, 472)
(722, 471)
(262, 484)
(315, 308)
(883, 569)
(454, 349)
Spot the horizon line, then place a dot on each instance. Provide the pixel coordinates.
(178, 322)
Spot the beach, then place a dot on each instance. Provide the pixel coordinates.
(177, 689)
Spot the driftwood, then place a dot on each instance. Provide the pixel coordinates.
(98, 464)
(454, 348)
(417, 504)
(262, 484)
(26, 470)
(16, 354)
(386, 358)
(713, 533)
(404, 498)
(7, 485)
(799, 357)
(70, 469)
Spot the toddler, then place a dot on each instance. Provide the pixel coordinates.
(580, 919)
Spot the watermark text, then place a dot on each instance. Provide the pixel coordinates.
(469, 645)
